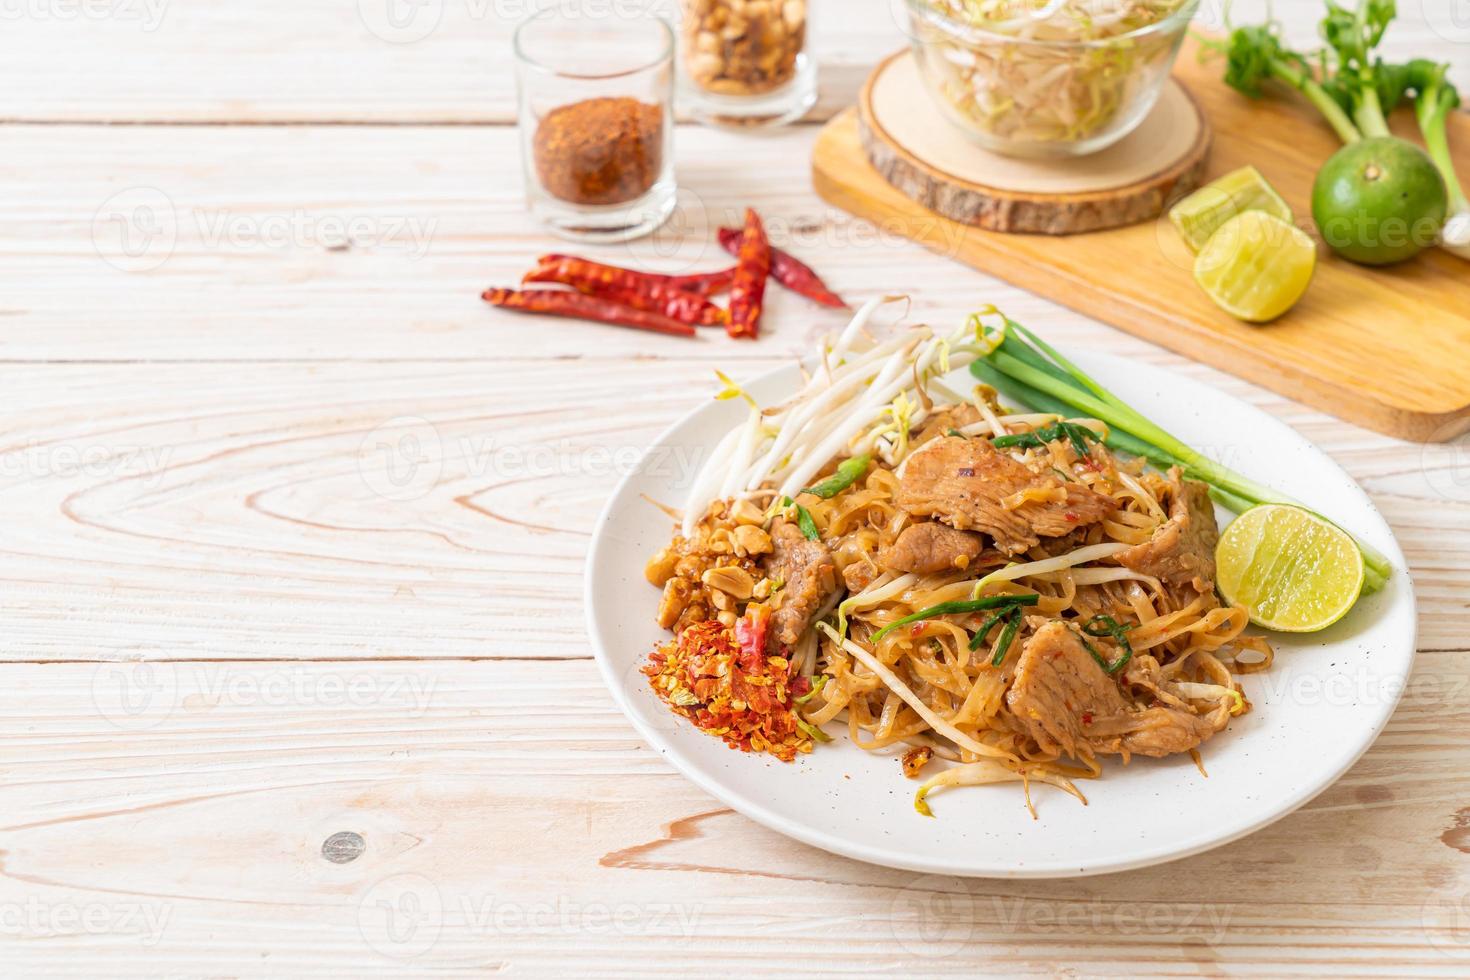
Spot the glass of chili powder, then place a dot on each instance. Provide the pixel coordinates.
(596, 120)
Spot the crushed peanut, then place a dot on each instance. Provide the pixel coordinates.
(916, 759)
(743, 47)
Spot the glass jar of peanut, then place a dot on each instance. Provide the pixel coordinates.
(746, 62)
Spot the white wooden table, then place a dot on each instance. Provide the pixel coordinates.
(294, 530)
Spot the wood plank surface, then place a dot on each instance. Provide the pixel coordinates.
(446, 61)
(225, 243)
(357, 242)
(424, 509)
(294, 532)
(292, 61)
(512, 822)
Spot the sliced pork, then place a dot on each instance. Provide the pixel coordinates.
(939, 424)
(930, 548)
(1182, 550)
(809, 577)
(971, 485)
(1067, 703)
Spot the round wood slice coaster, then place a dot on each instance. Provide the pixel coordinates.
(920, 152)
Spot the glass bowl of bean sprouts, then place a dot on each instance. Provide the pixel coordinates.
(1046, 78)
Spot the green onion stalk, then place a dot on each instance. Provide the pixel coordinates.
(1027, 369)
(1368, 88)
(1436, 99)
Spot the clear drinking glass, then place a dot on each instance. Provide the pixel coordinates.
(596, 120)
(746, 62)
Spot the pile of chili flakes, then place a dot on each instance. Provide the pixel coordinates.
(723, 681)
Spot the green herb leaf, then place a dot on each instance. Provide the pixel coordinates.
(847, 474)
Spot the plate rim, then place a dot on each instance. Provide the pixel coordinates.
(756, 810)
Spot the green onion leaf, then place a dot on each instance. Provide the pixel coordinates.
(1007, 637)
(803, 519)
(1101, 626)
(959, 606)
(817, 685)
(817, 735)
(1036, 400)
(978, 640)
(847, 474)
(807, 525)
(1074, 432)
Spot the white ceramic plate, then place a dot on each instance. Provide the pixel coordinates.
(1316, 711)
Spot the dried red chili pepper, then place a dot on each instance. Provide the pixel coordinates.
(556, 302)
(789, 271)
(640, 290)
(748, 288)
(703, 283)
(751, 630)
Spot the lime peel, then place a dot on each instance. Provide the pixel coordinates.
(1256, 266)
(1201, 214)
(1291, 570)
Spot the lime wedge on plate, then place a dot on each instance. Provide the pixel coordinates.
(1201, 214)
(1256, 266)
(1290, 569)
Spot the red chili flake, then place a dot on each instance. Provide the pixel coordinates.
(723, 681)
(1071, 515)
(1087, 717)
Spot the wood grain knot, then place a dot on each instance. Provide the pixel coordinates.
(1458, 836)
(343, 846)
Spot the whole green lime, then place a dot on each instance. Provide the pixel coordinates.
(1378, 201)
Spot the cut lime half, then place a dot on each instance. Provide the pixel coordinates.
(1202, 213)
(1288, 568)
(1256, 266)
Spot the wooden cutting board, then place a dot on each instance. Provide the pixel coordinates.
(1386, 348)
